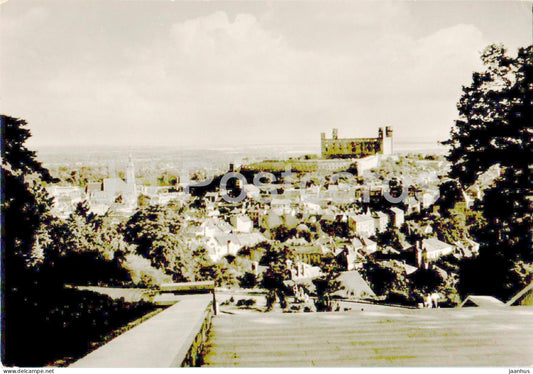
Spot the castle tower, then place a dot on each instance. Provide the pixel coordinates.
(387, 141)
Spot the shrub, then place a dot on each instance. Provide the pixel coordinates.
(142, 273)
(246, 303)
(248, 280)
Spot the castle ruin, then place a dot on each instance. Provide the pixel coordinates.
(356, 147)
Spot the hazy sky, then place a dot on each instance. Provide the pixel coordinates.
(204, 73)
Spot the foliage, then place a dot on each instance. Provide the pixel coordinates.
(248, 280)
(42, 253)
(65, 323)
(426, 280)
(254, 253)
(282, 233)
(392, 237)
(85, 249)
(489, 130)
(385, 277)
(449, 194)
(246, 303)
(276, 258)
(25, 203)
(494, 128)
(79, 177)
(142, 273)
(495, 275)
(335, 228)
(451, 228)
(154, 231)
(224, 275)
(143, 201)
(327, 284)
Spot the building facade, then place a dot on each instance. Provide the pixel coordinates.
(356, 147)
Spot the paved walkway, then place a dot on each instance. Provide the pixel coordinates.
(372, 337)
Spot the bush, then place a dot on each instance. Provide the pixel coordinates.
(401, 298)
(246, 303)
(64, 325)
(248, 280)
(142, 273)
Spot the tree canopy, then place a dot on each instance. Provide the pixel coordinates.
(494, 128)
(494, 116)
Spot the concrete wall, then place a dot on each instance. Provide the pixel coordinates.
(173, 338)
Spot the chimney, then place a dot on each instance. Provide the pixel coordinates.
(335, 134)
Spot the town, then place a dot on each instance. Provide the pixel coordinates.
(378, 216)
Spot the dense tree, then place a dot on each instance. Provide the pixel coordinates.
(426, 280)
(277, 259)
(25, 210)
(385, 277)
(155, 232)
(25, 204)
(494, 128)
(248, 280)
(61, 322)
(327, 284)
(485, 133)
(392, 237)
(449, 194)
(84, 249)
(452, 228)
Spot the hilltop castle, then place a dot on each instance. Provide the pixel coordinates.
(356, 147)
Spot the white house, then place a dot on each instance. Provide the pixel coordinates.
(398, 217)
(241, 223)
(362, 224)
(381, 220)
(301, 270)
(221, 245)
(281, 206)
(215, 226)
(429, 198)
(369, 246)
(433, 249)
(311, 207)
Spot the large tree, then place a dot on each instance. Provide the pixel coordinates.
(493, 123)
(41, 320)
(25, 210)
(25, 203)
(494, 128)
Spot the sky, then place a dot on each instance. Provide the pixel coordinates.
(240, 73)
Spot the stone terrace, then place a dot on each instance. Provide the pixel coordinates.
(374, 337)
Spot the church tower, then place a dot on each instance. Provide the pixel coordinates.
(130, 183)
(130, 173)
